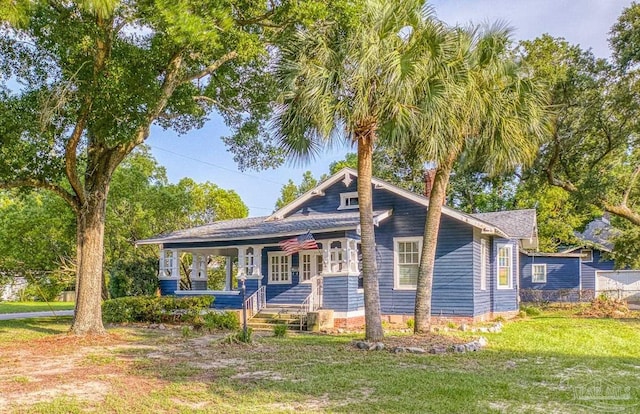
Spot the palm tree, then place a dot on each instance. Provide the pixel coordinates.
(491, 113)
(355, 82)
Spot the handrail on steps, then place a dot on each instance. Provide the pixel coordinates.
(255, 302)
(313, 301)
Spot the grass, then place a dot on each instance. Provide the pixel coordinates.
(16, 307)
(15, 331)
(547, 363)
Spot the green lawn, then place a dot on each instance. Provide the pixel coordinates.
(550, 363)
(13, 307)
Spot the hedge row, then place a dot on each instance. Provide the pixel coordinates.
(154, 309)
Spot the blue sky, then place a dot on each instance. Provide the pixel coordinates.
(202, 156)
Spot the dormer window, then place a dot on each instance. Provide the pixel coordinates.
(348, 200)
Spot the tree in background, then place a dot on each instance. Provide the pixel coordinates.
(37, 229)
(290, 191)
(89, 78)
(357, 80)
(593, 153)
(490, 114)
(144, 204)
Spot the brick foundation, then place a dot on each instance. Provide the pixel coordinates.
(349, 323)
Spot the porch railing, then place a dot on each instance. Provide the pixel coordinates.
(313, 301)
(255, 302)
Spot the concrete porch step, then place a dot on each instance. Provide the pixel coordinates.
(271, 315)
(259, 326)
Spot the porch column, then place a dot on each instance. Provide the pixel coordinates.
(242, 265)
(198, 272)
(254, 279)
(169, 277)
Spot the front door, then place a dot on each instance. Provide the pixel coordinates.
(310, 264)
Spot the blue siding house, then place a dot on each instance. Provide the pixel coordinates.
(477, 271)
(572, 274)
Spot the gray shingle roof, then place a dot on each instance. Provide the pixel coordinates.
(257, 227)
(519, 224)
(599, 232)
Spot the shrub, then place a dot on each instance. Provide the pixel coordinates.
(47, 286)
(154, 309)
(411, 323)
(530, 310)
(133, 277)
(187, 332)
(221, 320)
(241, 336)
(280, 330)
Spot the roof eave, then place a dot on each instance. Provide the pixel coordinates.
(242, 238)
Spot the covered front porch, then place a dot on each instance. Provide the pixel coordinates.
(327, 277)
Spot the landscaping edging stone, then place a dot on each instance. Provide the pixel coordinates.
(473, 346)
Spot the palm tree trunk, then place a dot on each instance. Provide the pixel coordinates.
(373, 321)
(422, 316)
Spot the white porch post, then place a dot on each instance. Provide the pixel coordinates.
(241, 262)
(198, 272)
(257, 263)
(175, 266)
(169, 275)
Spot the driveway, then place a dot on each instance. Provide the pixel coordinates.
(27, 315)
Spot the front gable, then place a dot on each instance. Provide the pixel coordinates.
(330, 195)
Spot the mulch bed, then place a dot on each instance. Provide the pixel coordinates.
(426, 341)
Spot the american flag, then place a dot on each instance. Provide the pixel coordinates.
(303, 242)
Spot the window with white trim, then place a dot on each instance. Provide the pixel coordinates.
(539, 273)
(279, 268)
(505, 266)
(336, 257)
(586, 255)
(484, 259)
(310, 263)
(348, 200)
(406, 261)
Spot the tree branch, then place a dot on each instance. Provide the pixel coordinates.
(70, 153)
(553, 180)
(71, 200)
(169, 85)
(257, 19)
(212, 67)
(623, 212)
(632, 182)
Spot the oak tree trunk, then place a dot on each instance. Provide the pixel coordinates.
(373, 322)
(88, 311)
(422, 316)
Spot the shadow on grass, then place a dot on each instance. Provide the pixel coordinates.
(44, 326)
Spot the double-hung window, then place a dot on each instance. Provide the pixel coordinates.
(484, 259)
(505, 266)
(539, 273)
(406, 261)
(279, 268)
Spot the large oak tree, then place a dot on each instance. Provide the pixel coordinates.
(82, 82)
